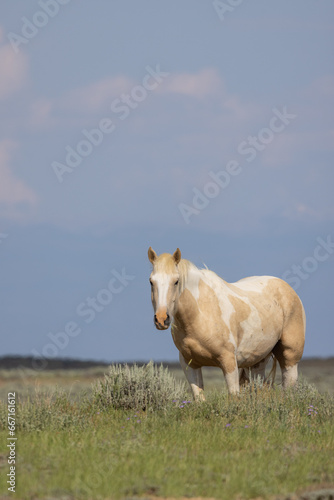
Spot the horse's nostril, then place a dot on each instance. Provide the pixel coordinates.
(158, 320)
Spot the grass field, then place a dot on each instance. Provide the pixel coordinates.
(260, 444)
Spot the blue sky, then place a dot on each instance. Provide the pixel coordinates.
(117, 119)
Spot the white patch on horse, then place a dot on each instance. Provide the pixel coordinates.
(232, 381)
(289, 375)
(254, 340)
(233, 341)
(163, 280)
(194, 277)
(214, 282)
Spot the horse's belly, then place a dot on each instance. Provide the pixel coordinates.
(254, 347)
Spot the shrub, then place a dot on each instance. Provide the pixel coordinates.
(138, 388)
(52, 411)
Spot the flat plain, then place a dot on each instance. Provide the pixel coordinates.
(263, 444)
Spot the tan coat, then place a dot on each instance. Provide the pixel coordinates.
(235, 326)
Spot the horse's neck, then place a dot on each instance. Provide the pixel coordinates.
(190, 276)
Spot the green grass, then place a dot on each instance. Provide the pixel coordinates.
(258, 444)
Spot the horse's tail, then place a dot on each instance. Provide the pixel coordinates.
(272, 374)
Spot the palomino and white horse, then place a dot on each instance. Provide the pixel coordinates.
(235, 326)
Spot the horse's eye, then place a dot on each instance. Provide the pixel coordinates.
(176, 282)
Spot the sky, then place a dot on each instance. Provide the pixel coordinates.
(203, 125)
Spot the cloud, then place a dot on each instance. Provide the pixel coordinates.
(14, 70)
(202, 84)
(96, 96)
(13, 192)
(302, 211)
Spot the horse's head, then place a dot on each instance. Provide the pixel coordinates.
(164, 281)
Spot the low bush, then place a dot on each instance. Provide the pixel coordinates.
(149, 387)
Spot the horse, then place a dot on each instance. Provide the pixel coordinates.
(234, 326)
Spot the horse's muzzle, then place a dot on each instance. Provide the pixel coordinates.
(162, 322)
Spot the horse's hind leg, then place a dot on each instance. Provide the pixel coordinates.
(289, 349)
(289, 375)
(288, 359)
(243, 376)
(259, 370)
(254, 372)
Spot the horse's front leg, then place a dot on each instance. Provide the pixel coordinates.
(195, 379)
(228, 364)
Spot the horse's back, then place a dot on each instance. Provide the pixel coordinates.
(258, 289)
(254, 283)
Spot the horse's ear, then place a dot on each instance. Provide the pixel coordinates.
(177, 256)
(151, 255)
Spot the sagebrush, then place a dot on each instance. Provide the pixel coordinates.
(145, 387)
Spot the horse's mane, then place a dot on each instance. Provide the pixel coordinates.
(184, 267)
